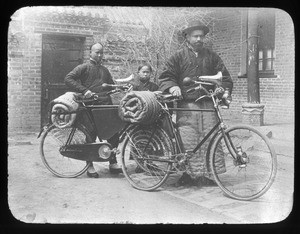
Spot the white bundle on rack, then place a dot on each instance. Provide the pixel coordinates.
(62, 105)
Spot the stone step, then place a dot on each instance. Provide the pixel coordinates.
(283, 131)
(285, 148)
(280, 135)
(279, 132)
(282, 138)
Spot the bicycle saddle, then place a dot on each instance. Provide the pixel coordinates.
(125, 80)
(212, 81)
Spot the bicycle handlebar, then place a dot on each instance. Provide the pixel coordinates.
(95, 96)
(82, 99)
(219, 91)
(167, 97)
(117, 87)
(203, 80)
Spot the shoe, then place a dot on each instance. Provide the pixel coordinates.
(115, 169)
(138, 169)
(92, 174)
(206, 182)
(185, 179)
(173, 170)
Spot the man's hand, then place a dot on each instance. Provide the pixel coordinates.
(219, 91)
(88, 94)
(175, 91)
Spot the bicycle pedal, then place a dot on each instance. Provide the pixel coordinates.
(189, 153)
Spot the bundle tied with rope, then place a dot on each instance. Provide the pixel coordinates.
(139, 107)
(61, 106)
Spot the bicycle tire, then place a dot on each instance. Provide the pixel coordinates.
(52, 140)
(142, 173)
(253, 172)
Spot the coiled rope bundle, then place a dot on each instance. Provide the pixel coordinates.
(139, 107)
(62, 105)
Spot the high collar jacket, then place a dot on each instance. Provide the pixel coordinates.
(90, 76)
(186, 63)
(140, 86)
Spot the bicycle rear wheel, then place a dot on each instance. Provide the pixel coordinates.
(51, 142)
(250, 162)
(146, 157)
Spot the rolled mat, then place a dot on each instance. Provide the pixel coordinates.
(139, 107)
(62, 104)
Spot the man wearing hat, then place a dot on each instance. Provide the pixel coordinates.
(191, 61)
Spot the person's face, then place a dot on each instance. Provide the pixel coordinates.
(97, 52)
(144, 73)
(196, 39)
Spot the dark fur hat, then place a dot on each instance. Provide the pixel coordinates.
(195, 25)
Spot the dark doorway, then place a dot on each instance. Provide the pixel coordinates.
(60, 54)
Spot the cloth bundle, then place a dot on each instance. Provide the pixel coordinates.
(64, 103)
(139, 107)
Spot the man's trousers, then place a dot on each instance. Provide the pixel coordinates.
(193, 126)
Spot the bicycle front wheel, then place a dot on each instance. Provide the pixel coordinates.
(51, 142)
(243, 162)
(146, 157)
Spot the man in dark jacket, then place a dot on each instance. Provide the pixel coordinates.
(191, 61)
(87, 79)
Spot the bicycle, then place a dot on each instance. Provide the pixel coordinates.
(67, 152)
(150, 153)
(157, 151)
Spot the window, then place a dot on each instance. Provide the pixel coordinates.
(266, 43)
(266, 59)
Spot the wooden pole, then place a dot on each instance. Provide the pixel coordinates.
(253, 111)
(253, 78)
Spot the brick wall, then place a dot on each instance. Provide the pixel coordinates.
(277, 94)
(25, 52)
(122, 42)
(24, 72)
(227, 42)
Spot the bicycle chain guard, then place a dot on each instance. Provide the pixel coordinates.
(95, 152)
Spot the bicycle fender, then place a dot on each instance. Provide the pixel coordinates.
(128, 129)
(132, 127)
(43, 129)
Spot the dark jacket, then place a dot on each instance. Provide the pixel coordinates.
(90, 76)
(185, 63)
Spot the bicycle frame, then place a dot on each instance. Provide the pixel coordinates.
(106, 120)
(219, 126)
(99, 116)
(150, 153)
(100, 121)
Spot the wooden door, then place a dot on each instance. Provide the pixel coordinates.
(60, 54)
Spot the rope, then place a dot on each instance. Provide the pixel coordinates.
(62, 104)
(139, 107)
